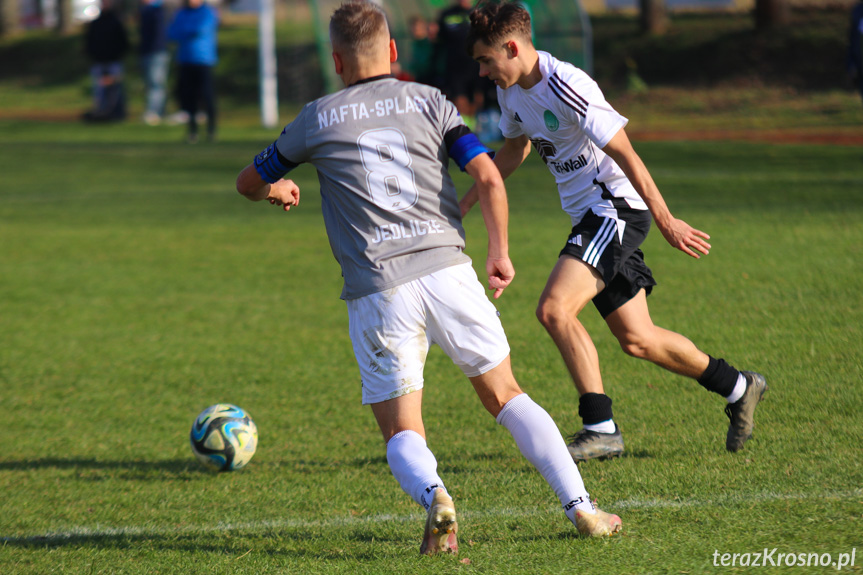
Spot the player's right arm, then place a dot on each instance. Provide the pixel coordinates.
(491, 194)
(510, 156)
(279, 193)
(676, 232)
(263, 179)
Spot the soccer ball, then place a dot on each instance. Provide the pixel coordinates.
(224, 437)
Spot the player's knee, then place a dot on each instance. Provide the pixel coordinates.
(635, 345)
(549, 312)
(554, 312)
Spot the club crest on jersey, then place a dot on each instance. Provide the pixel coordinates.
(551, 121)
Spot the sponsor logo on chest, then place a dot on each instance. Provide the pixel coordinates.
(571, 165)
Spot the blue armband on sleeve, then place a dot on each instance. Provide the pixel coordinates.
(463, 146)
(271, 165)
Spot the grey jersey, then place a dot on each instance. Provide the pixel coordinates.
(381, 149)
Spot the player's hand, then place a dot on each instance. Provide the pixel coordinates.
(686, 238)
(284, 193)
(500, 274)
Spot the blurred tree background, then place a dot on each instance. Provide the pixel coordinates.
(797, 46)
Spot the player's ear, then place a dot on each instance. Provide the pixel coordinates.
(512, 49)
(394, 53)
(340, 65)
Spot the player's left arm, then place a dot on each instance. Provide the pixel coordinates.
(677, 232)
(279, 193)
(495, 212)
(510, 156)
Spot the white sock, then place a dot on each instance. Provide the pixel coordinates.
(606, 426)
(414, 466)
(539, 440)
(739, 389)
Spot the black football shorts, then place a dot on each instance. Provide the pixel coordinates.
(595, 240)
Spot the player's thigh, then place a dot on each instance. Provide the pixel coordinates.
(571, 285)
(388, 333)
(462, 320)
(631, 322)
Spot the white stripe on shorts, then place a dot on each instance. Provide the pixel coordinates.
(598, 244)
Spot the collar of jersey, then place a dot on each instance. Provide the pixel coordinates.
(372, 79)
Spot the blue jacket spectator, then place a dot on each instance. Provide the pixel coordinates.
(194, 29)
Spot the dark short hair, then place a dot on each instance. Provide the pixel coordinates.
(356, 25)
(493, 22)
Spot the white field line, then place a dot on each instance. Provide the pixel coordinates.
(256, 526)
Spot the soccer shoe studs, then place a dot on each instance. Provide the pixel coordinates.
(597, 524)
(441, 526)
(587, 444)
(741, 413)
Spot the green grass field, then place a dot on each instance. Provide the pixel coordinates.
(137, 288)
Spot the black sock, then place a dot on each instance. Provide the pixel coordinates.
(719, 377)
(594, 408)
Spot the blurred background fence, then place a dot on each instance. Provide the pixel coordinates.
(706, 44)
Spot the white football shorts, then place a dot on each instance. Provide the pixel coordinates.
(392, 331)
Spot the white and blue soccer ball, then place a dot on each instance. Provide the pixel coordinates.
(224, 437)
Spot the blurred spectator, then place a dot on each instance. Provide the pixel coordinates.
(855, 46)
(461, 81)
(195, 29)
(106, 43)
(437, 55)
(422, 65)
(400, 73)
(154, 58)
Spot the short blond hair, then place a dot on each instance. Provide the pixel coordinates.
(358, 26)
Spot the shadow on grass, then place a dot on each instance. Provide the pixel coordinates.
(128, 469)
(637, 454)
(298, 543)
(180, 467)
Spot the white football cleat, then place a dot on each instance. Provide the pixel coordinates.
(597, 524)
(441, 526)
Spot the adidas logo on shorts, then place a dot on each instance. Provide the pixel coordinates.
(575, 240)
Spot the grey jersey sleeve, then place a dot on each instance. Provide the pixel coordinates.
(286, 153)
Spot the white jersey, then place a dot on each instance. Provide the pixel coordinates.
(568, 121)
